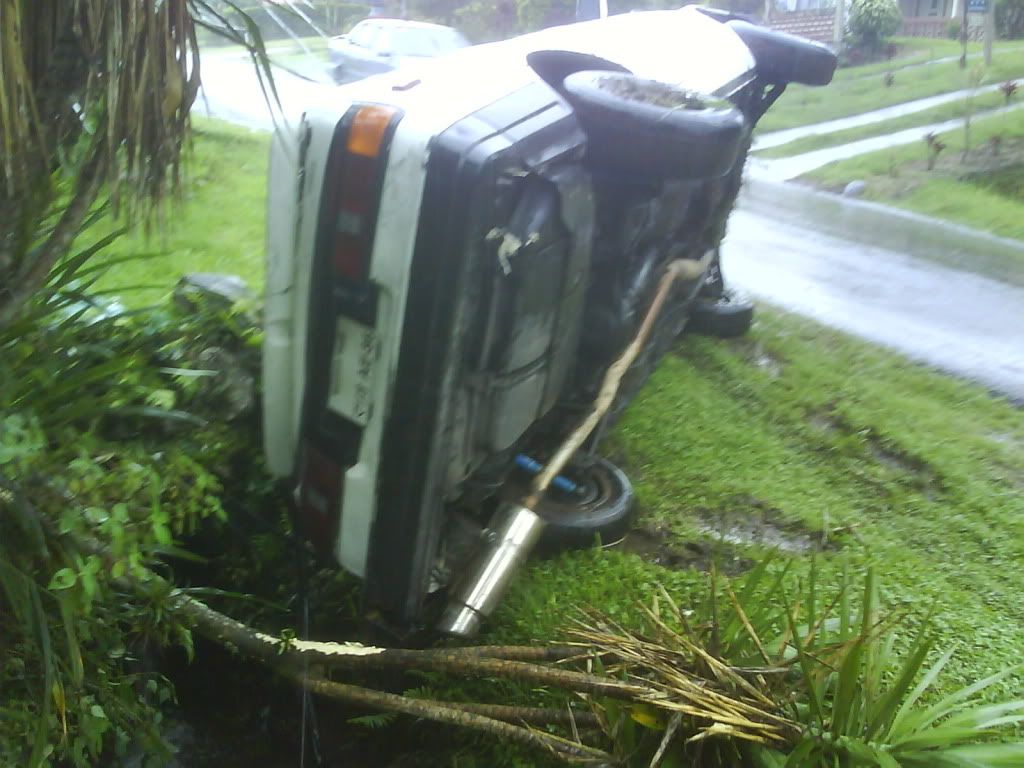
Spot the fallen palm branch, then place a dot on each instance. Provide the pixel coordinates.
(720, 703)
(640, 672)
(461, 715)
(655, 675)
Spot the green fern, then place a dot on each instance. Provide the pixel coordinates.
(374, 722)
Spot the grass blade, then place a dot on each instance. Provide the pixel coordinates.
(890, 703)
(925, 683)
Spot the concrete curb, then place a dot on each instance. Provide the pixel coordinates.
(878, 225)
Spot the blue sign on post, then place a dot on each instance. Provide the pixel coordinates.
(977, 6)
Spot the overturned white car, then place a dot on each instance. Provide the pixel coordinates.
(457, 252)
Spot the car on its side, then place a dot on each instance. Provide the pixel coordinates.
(456, 255)
(380, 45)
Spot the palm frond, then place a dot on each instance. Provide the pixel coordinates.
(95, 98)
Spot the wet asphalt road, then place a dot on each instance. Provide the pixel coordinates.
(959, 322)
(956, 321)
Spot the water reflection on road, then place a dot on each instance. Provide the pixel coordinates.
(960, 322)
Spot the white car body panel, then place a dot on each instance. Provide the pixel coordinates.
(683, 47)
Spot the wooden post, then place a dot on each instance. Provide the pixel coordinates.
(839, 26)
(963, 37)
(990, 30)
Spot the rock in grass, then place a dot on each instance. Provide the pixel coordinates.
(233, 385)
(854, 188)
(217, 289)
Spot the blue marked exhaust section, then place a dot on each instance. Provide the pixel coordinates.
(534, 467)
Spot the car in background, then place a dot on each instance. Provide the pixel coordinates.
(380, 45)
(457, 254)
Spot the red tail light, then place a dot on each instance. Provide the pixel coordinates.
(352, 188)
(340, 286)
(319, 498)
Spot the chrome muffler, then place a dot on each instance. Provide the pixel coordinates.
(510, 537)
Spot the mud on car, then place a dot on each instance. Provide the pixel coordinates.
(456, 253)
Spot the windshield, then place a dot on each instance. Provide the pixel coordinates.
(425, 42)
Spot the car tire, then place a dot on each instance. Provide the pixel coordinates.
(726, 316)
(782, 58)
(554, 66)
(604, 511)
(649, 129)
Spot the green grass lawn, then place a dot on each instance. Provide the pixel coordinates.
(216, 226)
(953, 109)
(849, 95)
(914, 51)
(898, 176)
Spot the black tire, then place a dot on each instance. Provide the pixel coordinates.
(653, 130)
(726, 317)
(554, 66)
(604, 511)
(782, 58)
(714, 282)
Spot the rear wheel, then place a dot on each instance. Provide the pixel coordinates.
(782, 58)
(601, 509)
(653, 130)
(554, 66)
(726, 316)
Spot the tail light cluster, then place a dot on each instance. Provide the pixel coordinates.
(340, 286)
(319, 497)
(351, 188)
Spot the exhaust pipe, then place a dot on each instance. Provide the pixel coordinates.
(510, 537)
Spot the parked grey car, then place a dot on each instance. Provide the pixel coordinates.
(379, 45)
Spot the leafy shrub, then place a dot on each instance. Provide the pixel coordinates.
(935, 146)
(1010, 19)
(872, 21)
(1009, 90)
(108, 430)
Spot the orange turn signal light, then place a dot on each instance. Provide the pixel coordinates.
(366, 133)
